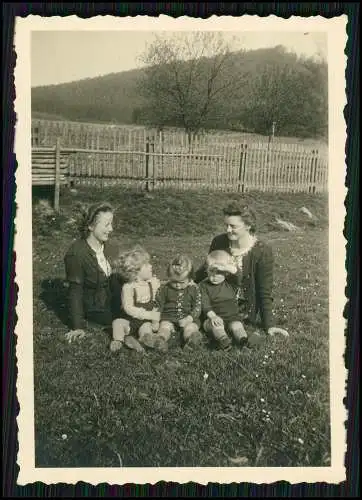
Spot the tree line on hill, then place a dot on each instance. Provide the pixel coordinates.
(255, 91)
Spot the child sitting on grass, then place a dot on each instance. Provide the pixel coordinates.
(219, 303)
(139, 315)
(179, 303)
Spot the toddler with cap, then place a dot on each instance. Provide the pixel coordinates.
(219, 304)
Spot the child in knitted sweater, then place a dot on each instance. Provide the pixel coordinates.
(219, 303)
(179, 303)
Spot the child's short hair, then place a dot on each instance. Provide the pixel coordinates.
(128, 264)
(218, 257)
(179, 266)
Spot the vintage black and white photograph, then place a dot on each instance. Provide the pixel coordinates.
(181, 187)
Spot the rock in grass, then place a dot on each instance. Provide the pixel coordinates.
(307, 212)
(287, 226)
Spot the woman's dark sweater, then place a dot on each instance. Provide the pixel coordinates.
(255, 280)
(91, 293)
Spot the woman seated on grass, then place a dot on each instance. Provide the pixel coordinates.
(88, 273)
(253, 281)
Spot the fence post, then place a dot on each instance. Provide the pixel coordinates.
(162, 152)
(35, 136)
(57, 176)
(313, 171)
(147, 162)
(152, 183)
(242, 167)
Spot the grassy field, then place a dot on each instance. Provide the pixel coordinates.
(262, 407)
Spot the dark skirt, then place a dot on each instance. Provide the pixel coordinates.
(103, 318)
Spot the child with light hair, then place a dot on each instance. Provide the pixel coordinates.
(140, 317)
(219, 302)
(179, 303)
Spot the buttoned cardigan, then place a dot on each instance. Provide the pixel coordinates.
(175, 305)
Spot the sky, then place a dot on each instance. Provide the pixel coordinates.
(65, 56)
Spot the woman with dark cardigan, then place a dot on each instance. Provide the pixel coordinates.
(94, 291)
(253, 281)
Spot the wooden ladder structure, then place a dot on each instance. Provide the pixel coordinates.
(49, 166)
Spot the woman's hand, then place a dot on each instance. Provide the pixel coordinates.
(227, 268)
(74, 335)
(275, 330)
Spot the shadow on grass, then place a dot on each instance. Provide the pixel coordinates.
(54, 293)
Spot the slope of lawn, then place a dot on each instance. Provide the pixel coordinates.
(262, 407)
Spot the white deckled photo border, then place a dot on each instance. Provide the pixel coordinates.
(335, 28)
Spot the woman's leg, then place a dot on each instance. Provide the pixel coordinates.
(120, 329)
(218, 334)
(238, 332)
(103, 318)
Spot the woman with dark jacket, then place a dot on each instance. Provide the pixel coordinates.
(94, 291)
(253, 281)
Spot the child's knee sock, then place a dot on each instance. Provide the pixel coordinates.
(239, 334)
(118, 332)
(219, 333)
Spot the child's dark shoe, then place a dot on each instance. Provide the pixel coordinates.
(161, 345)
(133, 344)
(242, 341)
(224, 343)
(149, 340)
(194, 340)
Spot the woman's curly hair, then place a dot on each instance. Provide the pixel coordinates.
(244, 212)
(129, 263)
(88, 215)
(179, 266)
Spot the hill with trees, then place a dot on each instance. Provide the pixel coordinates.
(270, 85)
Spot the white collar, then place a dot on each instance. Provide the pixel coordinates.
(243, 251)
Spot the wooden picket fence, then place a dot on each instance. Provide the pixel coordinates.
(150, 159)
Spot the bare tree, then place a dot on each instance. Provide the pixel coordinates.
(184, 77)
